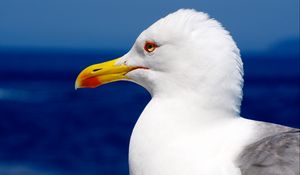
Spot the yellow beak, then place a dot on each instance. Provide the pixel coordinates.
(99, 74)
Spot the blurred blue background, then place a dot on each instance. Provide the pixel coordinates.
(47, 128)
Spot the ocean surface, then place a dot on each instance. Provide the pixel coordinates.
(48, 128)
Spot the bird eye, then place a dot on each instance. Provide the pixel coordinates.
(150, 46)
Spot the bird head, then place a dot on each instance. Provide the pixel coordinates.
(184, 51)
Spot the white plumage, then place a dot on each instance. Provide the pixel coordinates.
(192, 124)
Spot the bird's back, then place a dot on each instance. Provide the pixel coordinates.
(276, 152)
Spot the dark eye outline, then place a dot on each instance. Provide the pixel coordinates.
(150, 46)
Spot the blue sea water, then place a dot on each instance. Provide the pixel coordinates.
(46, 127)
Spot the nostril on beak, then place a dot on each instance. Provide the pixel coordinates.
(95, 70)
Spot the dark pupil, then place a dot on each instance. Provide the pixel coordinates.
(150, 46)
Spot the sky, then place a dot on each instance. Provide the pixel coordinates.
(256, 25)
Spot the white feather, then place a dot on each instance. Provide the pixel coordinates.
(192, 124)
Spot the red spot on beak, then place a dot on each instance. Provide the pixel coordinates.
(90, 82)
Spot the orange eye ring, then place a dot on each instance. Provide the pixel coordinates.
(150, 46)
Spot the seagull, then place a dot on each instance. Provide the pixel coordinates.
(193, 70)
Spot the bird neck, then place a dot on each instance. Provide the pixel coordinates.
(217, 100)
(205, 108)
